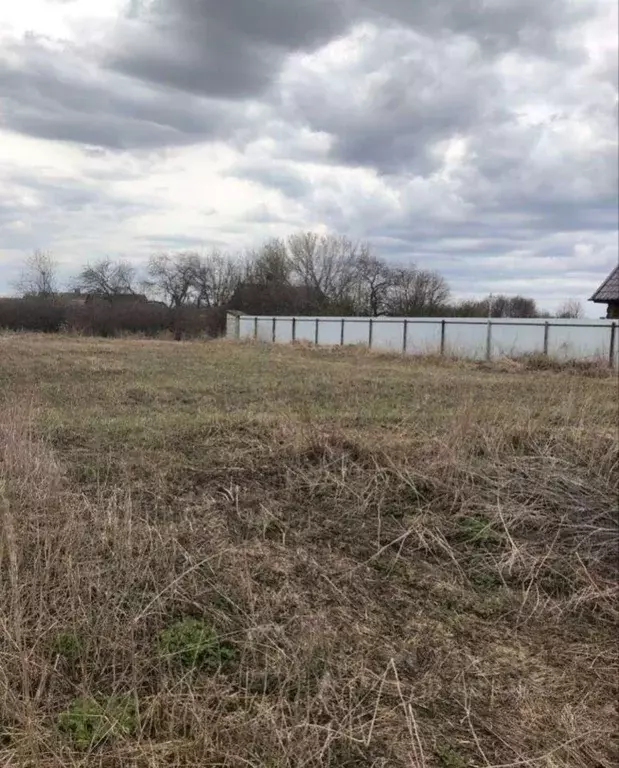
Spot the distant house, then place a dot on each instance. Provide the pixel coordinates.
(608, 293)
(76, 297)
(117, 299)
(71, 297)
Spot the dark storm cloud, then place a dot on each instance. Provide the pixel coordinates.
(230, 49)
(60, 93)
(234, 49)
(176, 72)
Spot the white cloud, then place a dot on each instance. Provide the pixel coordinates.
(474, 145)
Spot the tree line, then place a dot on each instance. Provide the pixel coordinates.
(305, 274)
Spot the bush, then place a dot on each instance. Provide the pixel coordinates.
(108, 319)
(90, 722)
(190, 322)
(42, 315)
(101, 318)
(192, 643)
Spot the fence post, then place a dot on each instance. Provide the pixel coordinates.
(294, 329)
(489, 341)
(370, 333)
(342, 332)
(233, 325)
(316, 334)
(546, 336)
(255, 329)
(613, 345)
(443, 336)
(274, 330)
(405, 337)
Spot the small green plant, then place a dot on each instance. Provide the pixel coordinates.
(477, 529)
(68, 645)
(89, 722)
(192, 643)
(449, 758)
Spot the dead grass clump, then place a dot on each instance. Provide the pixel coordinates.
(244, 576)
(595, 367)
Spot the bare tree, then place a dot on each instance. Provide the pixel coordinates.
(325, 264)
(374, 280)
(217, 277)
(269, 265)
(39, 276)
(417, 292)
(107, 278)
(174, 277)
(268, 285)
(571, 308)
(513, 306)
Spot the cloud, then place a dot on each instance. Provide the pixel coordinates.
(234, 49)
(496, 25)
(389, 97)
(229, 49)
(476, 136)
(40, 211)
(60, 92)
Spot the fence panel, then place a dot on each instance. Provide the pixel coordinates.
(329, 331)
(264, 329)
(305, 329)
(512, 340)
(356, 331)
(284, 330)
(245, 327)
(388, 334)
(465, 337)
(423, 338)
(467, 340)
(574, 341)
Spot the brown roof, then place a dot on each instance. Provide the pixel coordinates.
(609, 290)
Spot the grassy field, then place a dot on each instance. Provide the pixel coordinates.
(215, 554)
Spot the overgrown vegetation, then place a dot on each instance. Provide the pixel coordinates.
(192, 643)
(234, 555)
(89, 722)
(108, 318)
(188, 293)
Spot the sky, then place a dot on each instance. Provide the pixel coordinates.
(474, 137)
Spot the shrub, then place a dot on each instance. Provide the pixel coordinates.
(100, 318)
(450, 758)
(43, 315)
(192, 643)
(90, 722)
(108, 319)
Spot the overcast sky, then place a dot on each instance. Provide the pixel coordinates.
(476, 137)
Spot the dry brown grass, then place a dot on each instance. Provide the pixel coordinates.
(400, 563)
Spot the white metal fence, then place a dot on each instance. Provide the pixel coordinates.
(475, 338)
